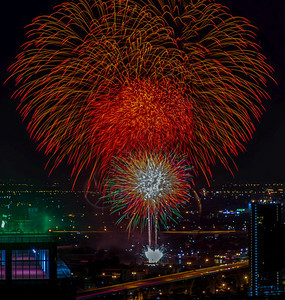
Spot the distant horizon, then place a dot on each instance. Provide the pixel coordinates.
(52, 181)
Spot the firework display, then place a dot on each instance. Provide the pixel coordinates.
(98, 79)
(154, 256)
(149, 188)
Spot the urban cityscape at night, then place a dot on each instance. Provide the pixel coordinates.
(142, 150)
(96, 253)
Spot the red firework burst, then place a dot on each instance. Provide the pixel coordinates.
(142, 115)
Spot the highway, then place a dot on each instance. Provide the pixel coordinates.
(89, 293)
(193, 232)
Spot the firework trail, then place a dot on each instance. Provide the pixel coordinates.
(98, 79)
(149, 188)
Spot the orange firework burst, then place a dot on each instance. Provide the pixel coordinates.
(99, 79)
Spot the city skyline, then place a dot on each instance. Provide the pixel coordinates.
(263, 159)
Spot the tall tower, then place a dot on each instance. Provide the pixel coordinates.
(266, 244)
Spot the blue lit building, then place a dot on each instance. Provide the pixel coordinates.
(266, 246)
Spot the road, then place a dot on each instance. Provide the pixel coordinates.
(88, 294)
(193, 232)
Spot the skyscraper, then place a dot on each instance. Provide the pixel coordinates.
(266, 248)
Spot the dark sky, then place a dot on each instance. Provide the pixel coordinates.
(264, 160)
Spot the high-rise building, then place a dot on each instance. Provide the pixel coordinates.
(266, 236)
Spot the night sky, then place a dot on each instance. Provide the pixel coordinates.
(262, 162)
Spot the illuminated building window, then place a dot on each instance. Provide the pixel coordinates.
(2, 265)
(30, 264)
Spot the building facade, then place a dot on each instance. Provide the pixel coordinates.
(266, 248)
(29, 267)
(28, 257)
